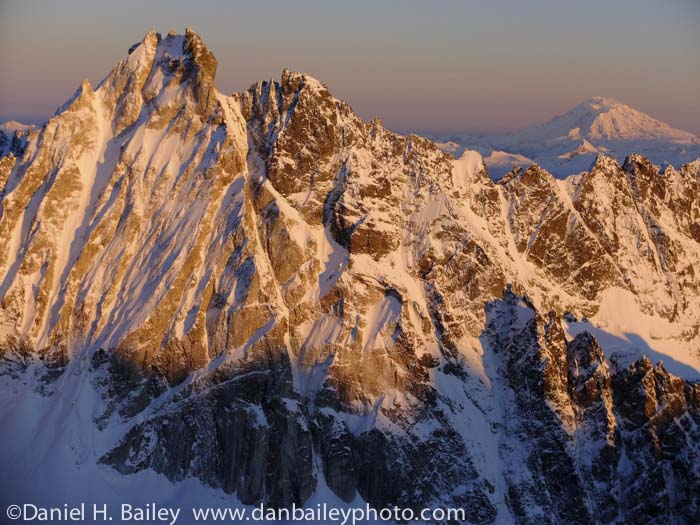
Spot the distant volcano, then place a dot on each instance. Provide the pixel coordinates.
(569, 143)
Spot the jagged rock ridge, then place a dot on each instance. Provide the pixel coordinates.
(272, 295)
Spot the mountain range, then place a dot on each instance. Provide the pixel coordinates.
(260, 297)
(569, 143)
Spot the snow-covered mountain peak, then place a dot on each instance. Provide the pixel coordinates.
(617, 121)
(605, 163)
(199, 53)
(601, 119)
(268, 294)
(10, 126)
(81, 95)
(598, 102)
(289, 76)
(13, 137)
(174, 46)
(569, 143)
(295, 81)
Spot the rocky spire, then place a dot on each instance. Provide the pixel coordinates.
(273, 296)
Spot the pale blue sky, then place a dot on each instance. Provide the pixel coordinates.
(436, 66)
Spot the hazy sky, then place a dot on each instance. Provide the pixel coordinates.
(425, 65)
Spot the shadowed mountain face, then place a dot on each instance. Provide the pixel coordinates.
(265, 293)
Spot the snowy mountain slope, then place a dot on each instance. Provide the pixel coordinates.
(13, 137)
(569, 143)
(266, 293)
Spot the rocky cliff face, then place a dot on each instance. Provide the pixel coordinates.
(275, 297)
(582, 434)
